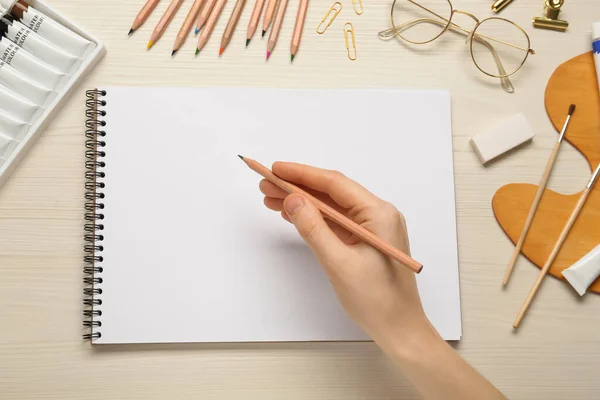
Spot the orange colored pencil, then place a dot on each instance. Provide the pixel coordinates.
(299, 27)
(187, 25)
(332, 215)
(231, 24)
(143, 15)
(268, 18)
(164, 22)
(253, 24)
(274, 35)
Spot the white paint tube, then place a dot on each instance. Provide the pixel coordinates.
(585, 271)
(19, 107)
(31, 66)
(40, 47)
(7, 145)
(56, 33)
(19, 84)
(13, 128)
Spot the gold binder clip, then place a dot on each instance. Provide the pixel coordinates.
(349, 31)
(335, 9)
(358, 7)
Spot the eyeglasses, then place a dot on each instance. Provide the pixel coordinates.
(498, 47)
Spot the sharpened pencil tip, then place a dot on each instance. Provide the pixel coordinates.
(247, 42)
(263, 33)
(150, 43)
(197, 51)
(196, 31)
(268, 55)
(221, 50)
(571, 109)
(130, 31)
(241, 157)
(293, 55)
(173, 53)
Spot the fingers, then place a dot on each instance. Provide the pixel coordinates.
(310, 224)
(342, 190)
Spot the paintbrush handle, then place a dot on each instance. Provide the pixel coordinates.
(553, 254)
(343, 221)
(532, 211)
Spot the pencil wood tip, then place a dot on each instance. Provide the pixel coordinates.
(263, 33)
(173, 53)
(247, 42)
(150, 43)
(221, 50)
(130, 31)
(571, 109)
(241, 157)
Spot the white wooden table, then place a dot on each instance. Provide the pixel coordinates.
(556, 354)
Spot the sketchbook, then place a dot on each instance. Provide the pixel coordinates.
(178, 244)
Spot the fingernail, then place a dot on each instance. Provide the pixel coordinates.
(293, 204)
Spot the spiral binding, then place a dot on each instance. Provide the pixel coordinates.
(94, 183)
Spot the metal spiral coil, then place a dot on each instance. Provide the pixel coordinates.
(94, 183)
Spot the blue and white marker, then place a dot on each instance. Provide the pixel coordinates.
(596, 48)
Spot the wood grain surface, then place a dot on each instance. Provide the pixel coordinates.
(573, 82)
(555, 354)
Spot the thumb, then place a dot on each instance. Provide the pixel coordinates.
(314, 230)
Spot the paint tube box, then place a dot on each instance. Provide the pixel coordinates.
(16, 151)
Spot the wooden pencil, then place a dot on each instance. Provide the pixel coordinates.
(253, 24)
(333, 215)
(143, 15)
(231, 24)
(277, 22)
(210, 24)
(558, 245)
(298, 28)
(538, 197)
(204, 14)
(269, 13)
(187, 25)
(164, 22)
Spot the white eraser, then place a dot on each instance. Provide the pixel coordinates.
(511, 133)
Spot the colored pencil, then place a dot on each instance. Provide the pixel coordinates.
(558, 245)
(210, 24)
(187, 25)
(276, 27)
(164, 21)
(143, 15)
(538, 196)
(298, 28)
(231, 24)
(253, 24)
(331, 214)
(269, 13)
(204, 14)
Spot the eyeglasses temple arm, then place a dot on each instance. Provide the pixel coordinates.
(388, 34)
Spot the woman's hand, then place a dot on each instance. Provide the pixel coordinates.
(377, 292)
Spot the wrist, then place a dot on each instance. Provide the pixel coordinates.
(411, 343)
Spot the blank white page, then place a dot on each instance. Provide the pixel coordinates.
(191, 254)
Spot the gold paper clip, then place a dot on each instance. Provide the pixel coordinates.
(358, 7)
(349, 29)
(335, 9)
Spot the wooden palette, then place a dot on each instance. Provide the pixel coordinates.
(573, 82)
